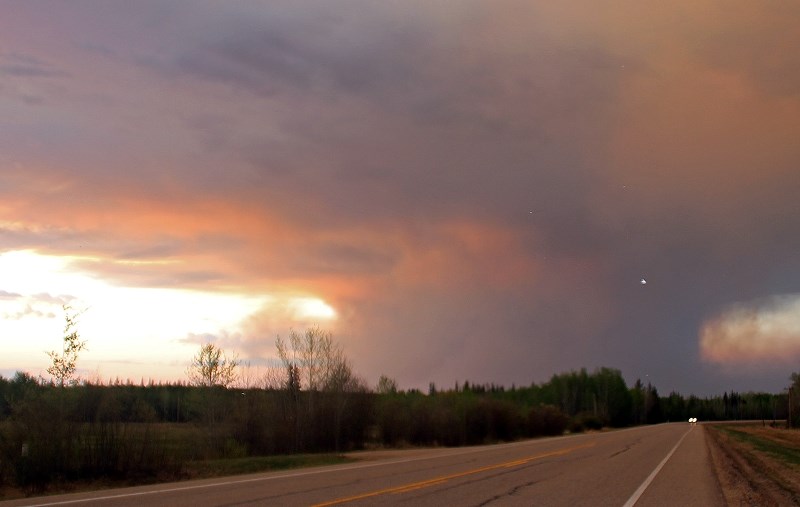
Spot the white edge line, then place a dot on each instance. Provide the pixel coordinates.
(213, 484)
(639, 492)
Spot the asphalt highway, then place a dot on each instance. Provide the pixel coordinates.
(666, 464)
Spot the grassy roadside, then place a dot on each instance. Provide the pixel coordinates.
(775, 442)
(757, 461)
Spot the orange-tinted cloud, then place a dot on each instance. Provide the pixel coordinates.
(486, 183)
(763, 333)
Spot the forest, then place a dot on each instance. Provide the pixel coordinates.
(66, 429)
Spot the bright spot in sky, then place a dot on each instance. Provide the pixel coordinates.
(313, 308)
(643, 281)
(131, 332)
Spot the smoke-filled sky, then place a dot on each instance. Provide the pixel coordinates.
(457, 190)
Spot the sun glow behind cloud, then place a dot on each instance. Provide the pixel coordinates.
(141, 330)
(313, 308)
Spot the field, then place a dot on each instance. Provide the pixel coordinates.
(757, 464)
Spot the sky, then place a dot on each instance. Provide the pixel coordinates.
(459, 190)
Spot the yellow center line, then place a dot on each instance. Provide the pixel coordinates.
(396, 490)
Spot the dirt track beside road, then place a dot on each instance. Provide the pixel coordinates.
(755, 463)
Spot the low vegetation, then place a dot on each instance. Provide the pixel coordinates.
(760, 462)
(58, 433)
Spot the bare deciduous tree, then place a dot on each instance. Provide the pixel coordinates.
(64, 364)
(321, 362)
(317, 365)
(387, 385)
(272, 378)
(248, 376)
(212, 367)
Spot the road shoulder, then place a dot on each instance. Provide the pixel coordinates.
(740, 481)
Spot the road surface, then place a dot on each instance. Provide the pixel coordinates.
(666, 464)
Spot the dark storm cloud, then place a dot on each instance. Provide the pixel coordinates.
(26, 66)
(477, 188)
(322, 52)
(442, 138)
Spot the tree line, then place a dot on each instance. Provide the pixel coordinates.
(64, 430)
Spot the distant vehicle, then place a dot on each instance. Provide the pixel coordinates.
(693, 420)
